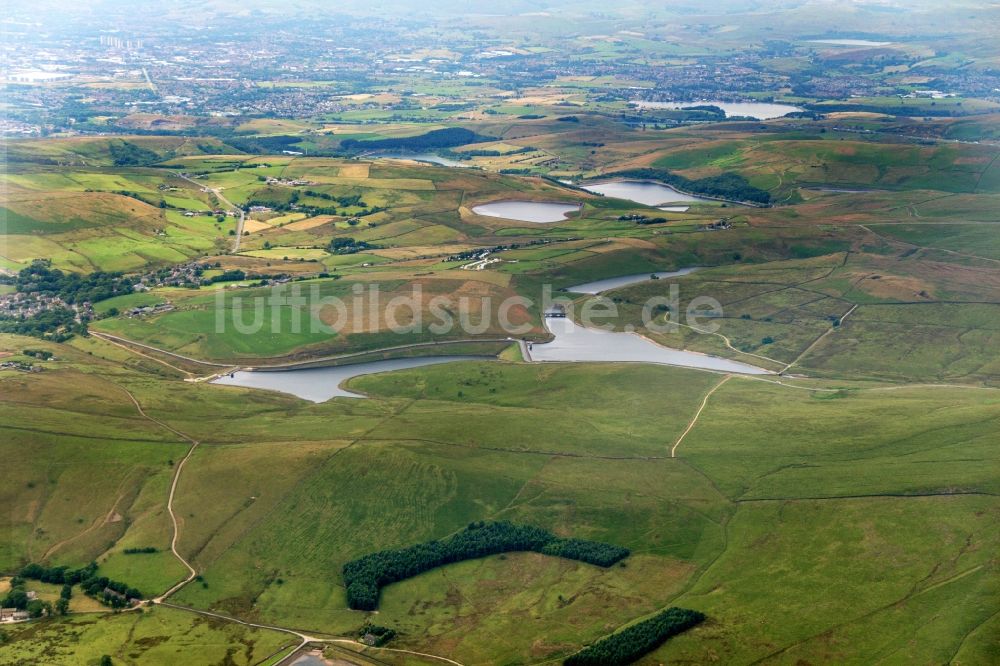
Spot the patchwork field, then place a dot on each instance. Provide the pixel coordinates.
(114, 221)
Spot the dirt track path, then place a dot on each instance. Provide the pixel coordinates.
(114, 339)
(728, 343)
(694, 420)
(93, 526)
(170, 499)
(111, 339)
(217, 191)
(923, 247)
(818, 340)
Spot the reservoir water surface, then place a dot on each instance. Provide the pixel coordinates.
(574, 342)
(527, 211)
(321, 384)
(759, 110)
(647, 194)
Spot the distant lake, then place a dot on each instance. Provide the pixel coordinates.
(648, 194)
(598, 286)
(849, 42)
(759, 110)
(321, 384)
(527, 211)
(578, 343)
(430, 158)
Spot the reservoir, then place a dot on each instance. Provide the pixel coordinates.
(527, 211)
(599, 286)
(321, 384)
(577, 343)
(759, 110)
(429, 158)
(647, 194)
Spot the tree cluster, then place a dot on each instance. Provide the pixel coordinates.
(707, 108)
(125, 153)
(234, 275)
(641, 219)
(109, 592)
(266, 144)
(346, 245)
(448, 137)
(631, 643)
(364, 576)
(477, 252)
(345, 200)
(375, 635)
(41, 278)
(55, 324)
(483, 152)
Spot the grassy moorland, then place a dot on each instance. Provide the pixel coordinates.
(841, 513)
(880, 313)
(781, 508)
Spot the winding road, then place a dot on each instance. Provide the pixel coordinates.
(217, 191)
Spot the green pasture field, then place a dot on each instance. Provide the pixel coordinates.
(197, 327)
(305, 253)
